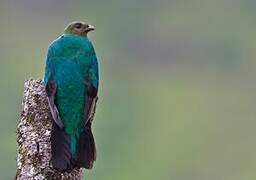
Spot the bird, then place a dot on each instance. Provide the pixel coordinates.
(71, 82)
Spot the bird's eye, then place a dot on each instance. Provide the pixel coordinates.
(78, 25)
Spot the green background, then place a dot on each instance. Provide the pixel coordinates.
(177, 93)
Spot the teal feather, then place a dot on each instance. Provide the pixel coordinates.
(70, 59)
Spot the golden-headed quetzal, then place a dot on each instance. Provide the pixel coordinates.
(71, 81)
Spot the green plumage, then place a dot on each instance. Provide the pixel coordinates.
(73, 71)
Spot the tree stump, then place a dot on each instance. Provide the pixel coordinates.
(33, 138)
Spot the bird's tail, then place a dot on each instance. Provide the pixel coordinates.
(61, 153)
(86, 150)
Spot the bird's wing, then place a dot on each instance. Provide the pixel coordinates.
(51, 87)
(91, 86)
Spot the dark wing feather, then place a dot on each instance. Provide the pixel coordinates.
(60, 149)
(51, 88)
(51, 91)
(91, 86)
(91, 100)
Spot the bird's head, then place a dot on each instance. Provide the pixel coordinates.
(79, 28)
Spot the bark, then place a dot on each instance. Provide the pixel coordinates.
(33, 138)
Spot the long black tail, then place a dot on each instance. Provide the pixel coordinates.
(86, 150)
(60, 144)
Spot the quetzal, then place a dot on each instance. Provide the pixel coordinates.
(71, 81)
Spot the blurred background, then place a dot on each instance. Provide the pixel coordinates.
(177, 94)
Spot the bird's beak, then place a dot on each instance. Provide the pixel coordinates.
(90, 28)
